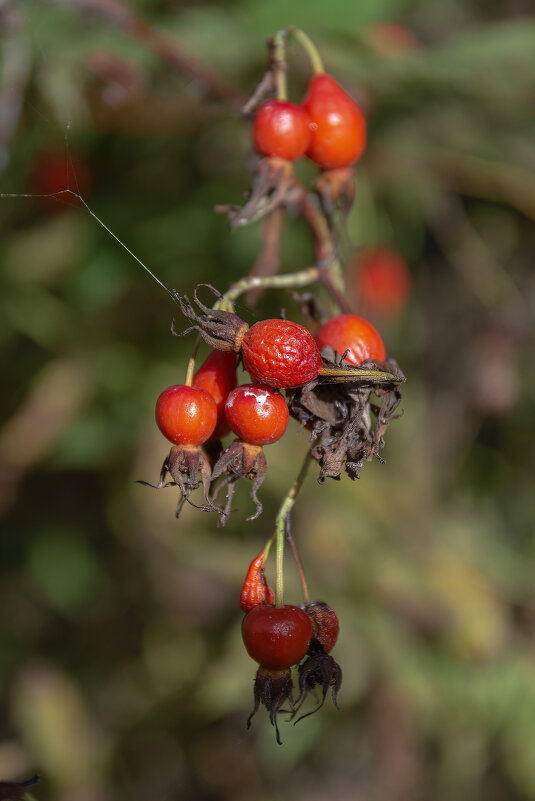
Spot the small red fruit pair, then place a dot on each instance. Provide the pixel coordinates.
(329, 127)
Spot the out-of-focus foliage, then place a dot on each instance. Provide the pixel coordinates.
(122, 670)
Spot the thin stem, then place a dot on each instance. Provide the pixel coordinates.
(297, 558)
(277, 47)
(191, 364)
(280, 528)
(308, 45)
(310, 275)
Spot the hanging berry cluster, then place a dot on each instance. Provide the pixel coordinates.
(338, 381)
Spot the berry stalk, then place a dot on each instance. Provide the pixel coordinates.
(281, 525)
(309, 47)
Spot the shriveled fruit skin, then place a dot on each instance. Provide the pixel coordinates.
(325, 624)
(281, 354)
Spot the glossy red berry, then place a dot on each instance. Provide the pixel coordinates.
(281, 129)
(280, 353)
(217, 375)
(353, 334)
(186, 415)
(256, 414)
(338, 126)
(325, 625)
(276, 637)
(256, 591)
(382, 281)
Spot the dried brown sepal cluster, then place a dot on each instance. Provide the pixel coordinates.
(318, 670)
(239, 460)
(221, 330)
(183, 464)
(273, 185)
(272, 688)
(347, 428)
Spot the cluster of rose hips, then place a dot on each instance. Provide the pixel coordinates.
(336, 378)
(278, 355)
(328, 127)
(279, 638)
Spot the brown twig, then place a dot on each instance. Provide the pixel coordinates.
(166, 48)
(331, 275)
(268, 260)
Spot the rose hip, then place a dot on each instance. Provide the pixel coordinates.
(280, 353)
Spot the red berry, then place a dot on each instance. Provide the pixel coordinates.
(280, 353)
(338, 125)
(186, 415)
(325, 625)
(354, 334)
(256, 414)
(383, 281)
(276, 637)
(281, 129)
(217, 375)
(256, 591)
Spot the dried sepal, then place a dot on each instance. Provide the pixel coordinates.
(183, 464)
(272, 186)
(222, 330)
(336, 189)
(272, 688)
(239, 460)
(346, 428)
(318, 670)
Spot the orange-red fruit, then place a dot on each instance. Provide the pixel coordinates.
(281, 129)
(276, 637)
(256, 414)
(256, 591)
(217, 375)
(325, 625)
(338, 135)
(186, 415)
(280, 353)
(383, 281)
(353, 334)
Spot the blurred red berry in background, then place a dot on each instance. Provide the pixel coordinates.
(381, 282)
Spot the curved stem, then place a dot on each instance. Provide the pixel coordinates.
(297, 558)
(280, 528)
(308, 45)
(310, 275)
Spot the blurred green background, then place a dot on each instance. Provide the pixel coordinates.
(122, 670)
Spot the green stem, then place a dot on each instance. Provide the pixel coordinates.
(280, 528)
(358, 375)
(278, 63)
(308, 45)
(310, 275)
